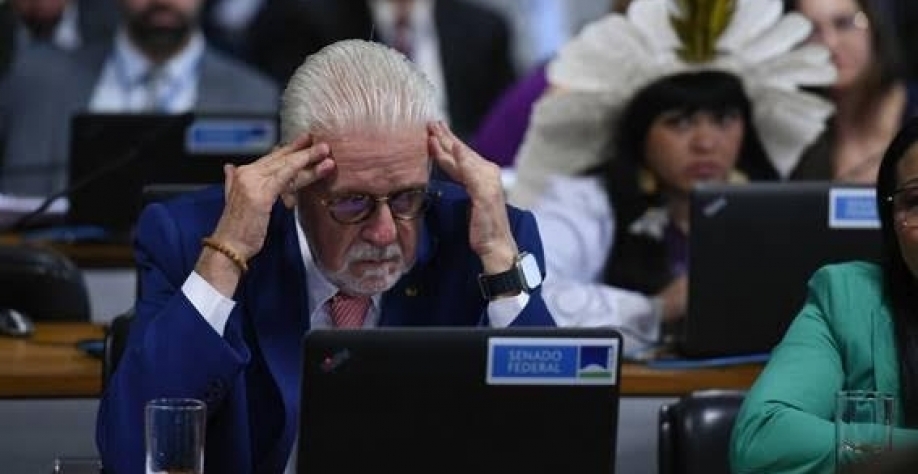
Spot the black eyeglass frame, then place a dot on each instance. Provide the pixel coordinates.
(374, 202)
(899, 213)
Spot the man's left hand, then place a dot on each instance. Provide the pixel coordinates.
(489, 228)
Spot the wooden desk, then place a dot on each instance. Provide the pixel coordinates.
(48, 364)
(84, 254)
(639, 380)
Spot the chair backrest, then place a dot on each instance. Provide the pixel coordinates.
(694, 433)
(42, 283)
(115, 340)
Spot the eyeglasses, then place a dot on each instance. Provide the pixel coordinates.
(841, 25)
(904, 203)
(405, 205)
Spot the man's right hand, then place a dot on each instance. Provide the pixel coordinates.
(675, 299)
(251, 192)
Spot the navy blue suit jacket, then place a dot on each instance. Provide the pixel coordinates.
(250, 376)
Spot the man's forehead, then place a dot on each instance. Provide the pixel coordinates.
(407, 141)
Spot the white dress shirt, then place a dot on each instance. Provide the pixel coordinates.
(577, 224)
(122, 86)
(215, 308)
(425, 44)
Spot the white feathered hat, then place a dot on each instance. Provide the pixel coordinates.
(600, 70)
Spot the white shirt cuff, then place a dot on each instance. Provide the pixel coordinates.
(502, 311)
(210, 303)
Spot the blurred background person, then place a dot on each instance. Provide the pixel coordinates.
(463, 48)
(63, 24)
(871, 96)
(616, 146)
(620, 232)
(501, 132)
(158, 62)
(590, 83)
(540, 27)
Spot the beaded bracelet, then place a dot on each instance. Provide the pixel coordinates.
(226, 250)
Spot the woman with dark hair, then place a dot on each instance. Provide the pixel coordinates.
(614, 150)
(871, 97)
(858, 330)
(679, 130)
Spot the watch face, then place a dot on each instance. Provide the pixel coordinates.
(530, 270)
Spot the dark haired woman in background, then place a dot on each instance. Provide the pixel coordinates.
(857, 331)
(677, 131)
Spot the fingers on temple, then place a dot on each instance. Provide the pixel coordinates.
(293, 163)
(307, 176)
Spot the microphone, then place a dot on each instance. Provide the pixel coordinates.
(133, 153)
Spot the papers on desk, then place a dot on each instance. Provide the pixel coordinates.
(13, 208)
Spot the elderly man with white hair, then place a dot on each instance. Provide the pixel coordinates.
(340, 226)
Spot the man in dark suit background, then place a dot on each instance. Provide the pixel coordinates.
(462, 47)
(157, 62)
(63, 24)
(341, 227)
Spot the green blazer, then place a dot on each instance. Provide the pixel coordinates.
(842, 339)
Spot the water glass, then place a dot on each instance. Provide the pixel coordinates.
(863, 428)
(174, 433)
(77, 465)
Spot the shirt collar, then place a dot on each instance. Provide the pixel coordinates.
(134, 64)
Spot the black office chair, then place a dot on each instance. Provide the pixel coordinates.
(115, 340)
(42, 283)
(694, 433)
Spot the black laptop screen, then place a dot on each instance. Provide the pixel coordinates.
(114, 156)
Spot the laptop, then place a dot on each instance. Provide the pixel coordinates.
(754, 247)
(114, 156)
(459, 400)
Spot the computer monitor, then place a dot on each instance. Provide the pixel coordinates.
(753, 248)
(114, 156)
(459, 400)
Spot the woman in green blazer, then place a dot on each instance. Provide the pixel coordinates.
(857, 330)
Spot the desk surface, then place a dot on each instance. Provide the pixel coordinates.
(49, 365)
(84, 254)
(640, 380)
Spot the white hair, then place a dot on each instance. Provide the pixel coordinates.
(355, 84)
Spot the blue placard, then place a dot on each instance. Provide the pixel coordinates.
(853, 209)
(552, 361)
(230, 136)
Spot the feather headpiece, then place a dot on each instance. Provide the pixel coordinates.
(612, 58)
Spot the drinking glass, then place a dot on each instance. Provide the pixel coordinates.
(175, 436)
(77, 465)
(863, 427)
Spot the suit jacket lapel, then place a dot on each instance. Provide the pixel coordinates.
(214, 95)
(407, 303)
(885, 362)
(276, 296)
(91, 62)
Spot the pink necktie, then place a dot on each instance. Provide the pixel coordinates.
(348, 311)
